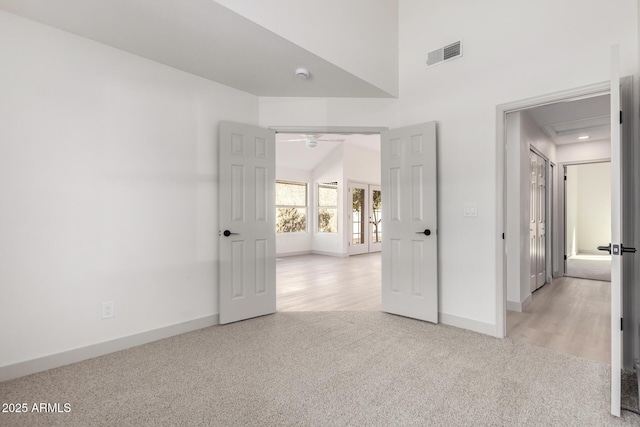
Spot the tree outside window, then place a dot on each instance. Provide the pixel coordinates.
(291, 207)
(328, 208)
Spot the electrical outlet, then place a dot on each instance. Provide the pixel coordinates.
(108, 310)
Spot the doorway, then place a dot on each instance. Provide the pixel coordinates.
(560, 132)
(537, 138)
(587, 220)
(315, 269)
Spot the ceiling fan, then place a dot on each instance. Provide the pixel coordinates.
(312, 139)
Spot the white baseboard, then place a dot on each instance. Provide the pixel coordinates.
(51, 361)
(514, 306)
(590, 252)
(286, 254)
(464, 323)
(335, 254)
(519, 306)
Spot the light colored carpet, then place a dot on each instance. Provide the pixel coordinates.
(594, 267)
(323, 369)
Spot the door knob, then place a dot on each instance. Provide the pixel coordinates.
(426, 232)
(227, 233)
(605, 248)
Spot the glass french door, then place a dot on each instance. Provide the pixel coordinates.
(375, 218)
(365, 218)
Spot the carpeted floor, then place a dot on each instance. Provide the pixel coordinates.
(323, 369)
(594, 267)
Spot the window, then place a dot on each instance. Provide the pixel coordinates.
(328, 207)
(291, 207)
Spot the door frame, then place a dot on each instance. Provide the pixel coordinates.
(502, 241)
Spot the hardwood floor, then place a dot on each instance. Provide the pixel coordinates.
(324, 283)
(568, 315)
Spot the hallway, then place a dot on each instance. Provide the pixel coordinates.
(568, 315)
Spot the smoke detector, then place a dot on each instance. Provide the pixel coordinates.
(302, 73)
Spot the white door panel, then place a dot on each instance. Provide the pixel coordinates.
(616, 234)
(247, 222)
(533, 231)
(409, 221)
(537, 220)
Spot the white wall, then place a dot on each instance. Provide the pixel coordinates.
(108, 176)
(593, 206)
(564, 49)
(297, 243)
(584, 152)
(359, 36)
(361, 164)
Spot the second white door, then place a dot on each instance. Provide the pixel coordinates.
(537, 220)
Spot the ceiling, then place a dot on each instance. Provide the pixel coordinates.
(296, 155)
(200, 37)
(565, 122)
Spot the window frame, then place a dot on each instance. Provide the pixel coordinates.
(305, 207)
(318, 206)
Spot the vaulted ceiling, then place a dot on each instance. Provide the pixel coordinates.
(293, 153)
(201, 37)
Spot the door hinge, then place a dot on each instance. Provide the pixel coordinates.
(502, 236)
(565, 257)
(620, 116)
(565, 177)
(621, 323)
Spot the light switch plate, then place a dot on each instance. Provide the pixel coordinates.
(470, 210)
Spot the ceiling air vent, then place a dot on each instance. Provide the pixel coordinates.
(444, 54)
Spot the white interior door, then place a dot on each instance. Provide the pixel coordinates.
(541, 219)
(538, 220)
(533, 228)
(375, 218)
(616, 235)
(409, 220)
(358, 218)
(247, 222)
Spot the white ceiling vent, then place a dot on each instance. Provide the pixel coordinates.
(444, 54)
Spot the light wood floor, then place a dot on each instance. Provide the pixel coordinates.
(568, 315)
(324, 283)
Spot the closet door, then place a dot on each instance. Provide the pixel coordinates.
(533, 228)
(537, 220)
(541, 222)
